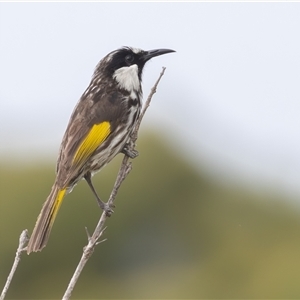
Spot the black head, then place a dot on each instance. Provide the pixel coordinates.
(128, 56)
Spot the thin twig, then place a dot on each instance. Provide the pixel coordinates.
(22, 242)
(146, 105)
(122, 174)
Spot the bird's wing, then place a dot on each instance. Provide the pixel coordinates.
(96, 135)
(90, 125)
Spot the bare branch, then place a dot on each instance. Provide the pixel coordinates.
(124, 170)
(146, 105)
(22, 242)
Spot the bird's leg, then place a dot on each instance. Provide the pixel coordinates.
(104, 206)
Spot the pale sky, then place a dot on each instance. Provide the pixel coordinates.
(230, 93)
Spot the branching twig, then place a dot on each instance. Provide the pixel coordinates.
(22, 242)
(123, 172)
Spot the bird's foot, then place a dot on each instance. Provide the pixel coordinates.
(107, 208)
(130, 152)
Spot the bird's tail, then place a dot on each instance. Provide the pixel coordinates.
(43, 226)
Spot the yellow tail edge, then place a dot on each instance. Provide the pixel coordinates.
(45, 220)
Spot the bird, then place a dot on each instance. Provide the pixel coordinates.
(99, 128)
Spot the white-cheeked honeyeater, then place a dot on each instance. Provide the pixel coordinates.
(99, 128)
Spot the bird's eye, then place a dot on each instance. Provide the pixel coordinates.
(129, 58)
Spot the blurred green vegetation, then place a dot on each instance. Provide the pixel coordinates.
(175, 233)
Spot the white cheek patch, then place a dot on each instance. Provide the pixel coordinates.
(127, 78)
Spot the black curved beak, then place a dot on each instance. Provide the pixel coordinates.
(152, 53)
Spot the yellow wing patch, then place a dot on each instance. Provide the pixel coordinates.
(95, 137)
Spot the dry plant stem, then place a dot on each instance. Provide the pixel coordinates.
(94, 239)
(123, 172)
(134, 135)
(87, 252)
(22, 242)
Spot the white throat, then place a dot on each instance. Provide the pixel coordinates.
(127, 78)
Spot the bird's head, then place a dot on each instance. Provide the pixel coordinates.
(126, 64)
